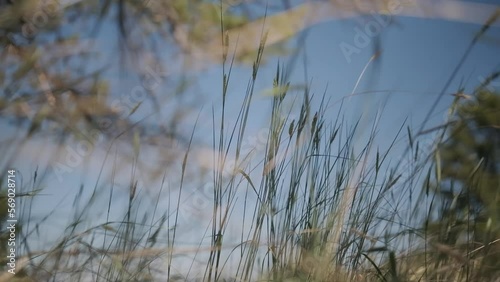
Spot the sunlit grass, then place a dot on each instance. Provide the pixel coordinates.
(316, 206)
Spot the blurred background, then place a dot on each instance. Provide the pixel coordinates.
(148, 125)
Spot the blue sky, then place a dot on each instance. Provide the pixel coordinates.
(418, 56)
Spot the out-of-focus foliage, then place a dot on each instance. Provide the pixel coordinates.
(55, 76)
(468, 175)
(51, 69)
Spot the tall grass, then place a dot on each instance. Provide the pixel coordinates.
(314, 206)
